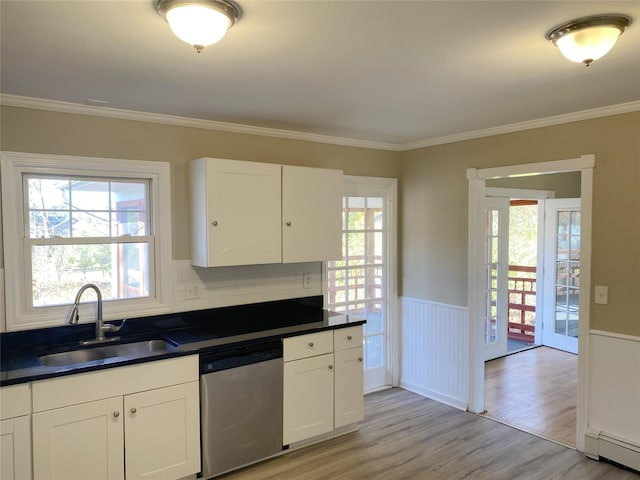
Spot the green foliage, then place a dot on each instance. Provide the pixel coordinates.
(523, 235)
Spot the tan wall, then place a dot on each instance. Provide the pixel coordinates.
(432, 187)
(36, 131)
(434, 210)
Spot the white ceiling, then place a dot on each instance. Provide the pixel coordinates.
(394, 72)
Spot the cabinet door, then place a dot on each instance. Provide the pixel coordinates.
(311, 214)
(236, 213)
(308, 398)
(15, 448)
(349, 394)
(162, 432)
(81, 442)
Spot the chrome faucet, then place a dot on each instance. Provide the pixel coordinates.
(101, 328)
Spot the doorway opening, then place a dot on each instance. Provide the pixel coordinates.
(479, 181)
(535, 391)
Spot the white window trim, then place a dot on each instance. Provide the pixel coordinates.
(14, 164)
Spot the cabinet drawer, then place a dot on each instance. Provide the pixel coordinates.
(349, 337)
(308, 345)
(15, 400)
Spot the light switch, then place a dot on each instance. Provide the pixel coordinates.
(602, 294)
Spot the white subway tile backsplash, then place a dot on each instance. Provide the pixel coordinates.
(227, 286)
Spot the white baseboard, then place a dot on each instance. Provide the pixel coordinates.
(434, 395)
(599, 445)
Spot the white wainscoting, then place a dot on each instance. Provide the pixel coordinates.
(201, 288)
(435, 350)
(613, 429)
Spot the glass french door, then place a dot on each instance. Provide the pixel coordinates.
(562, 274)
(358, 284)
(496, 314)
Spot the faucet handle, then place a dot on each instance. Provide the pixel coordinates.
(114, 328)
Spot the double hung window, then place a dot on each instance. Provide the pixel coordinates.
(69, 221)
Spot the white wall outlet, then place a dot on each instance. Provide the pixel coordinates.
(602, 295)
(191, 292)
(306, 280)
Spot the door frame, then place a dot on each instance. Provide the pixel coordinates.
(360, 185)
(477, 190)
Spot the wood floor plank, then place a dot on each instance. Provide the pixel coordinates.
(407, 436)
(535, 390)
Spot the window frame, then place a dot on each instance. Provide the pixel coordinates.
(20, 315)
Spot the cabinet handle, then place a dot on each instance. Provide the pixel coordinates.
(330, 367)
(214, 223)
(349, 337)
(133, 410)
(310, 344)
(288, 224)
(116, 414)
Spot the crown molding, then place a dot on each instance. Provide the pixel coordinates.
(121, 114)
(109, 112)
(528, 125)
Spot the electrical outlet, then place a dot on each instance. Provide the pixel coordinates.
(306, 280)
(191, 292)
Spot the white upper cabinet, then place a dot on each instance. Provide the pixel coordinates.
(311, 214)
(235, 212)
(250, 213)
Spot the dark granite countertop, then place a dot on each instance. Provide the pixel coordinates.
(189, 332)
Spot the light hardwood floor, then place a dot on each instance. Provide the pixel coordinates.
(536, 391)
(407, 436)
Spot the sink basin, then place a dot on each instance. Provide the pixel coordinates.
(120, 351)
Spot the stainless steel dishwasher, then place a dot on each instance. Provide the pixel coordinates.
(241, 406)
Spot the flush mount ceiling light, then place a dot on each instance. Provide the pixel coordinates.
(588, 38)
(199, 22)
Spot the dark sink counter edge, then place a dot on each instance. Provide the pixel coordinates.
(188, 332)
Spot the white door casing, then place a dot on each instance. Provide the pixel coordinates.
(477, 191)
(381, 352)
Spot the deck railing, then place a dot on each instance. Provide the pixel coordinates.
(522, 303)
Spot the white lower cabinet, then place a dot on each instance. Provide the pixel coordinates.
(15, 448)
(349, 395)
(153, 433)
(162, 432)
(308, 398)
(80, 442)
(15, 432)
(323, 390)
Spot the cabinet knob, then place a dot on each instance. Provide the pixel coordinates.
(330, 367)
(214, 223)
(310, 344)
(116, 414)
(288, 224)
(134, 410)
(349, 337)
(360, 359)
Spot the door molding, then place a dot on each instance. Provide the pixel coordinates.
(477, 191)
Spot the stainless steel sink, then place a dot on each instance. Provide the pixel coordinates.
(95, 354)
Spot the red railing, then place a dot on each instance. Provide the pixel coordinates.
(522, 303)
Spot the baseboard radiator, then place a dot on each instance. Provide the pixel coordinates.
(599, 445)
